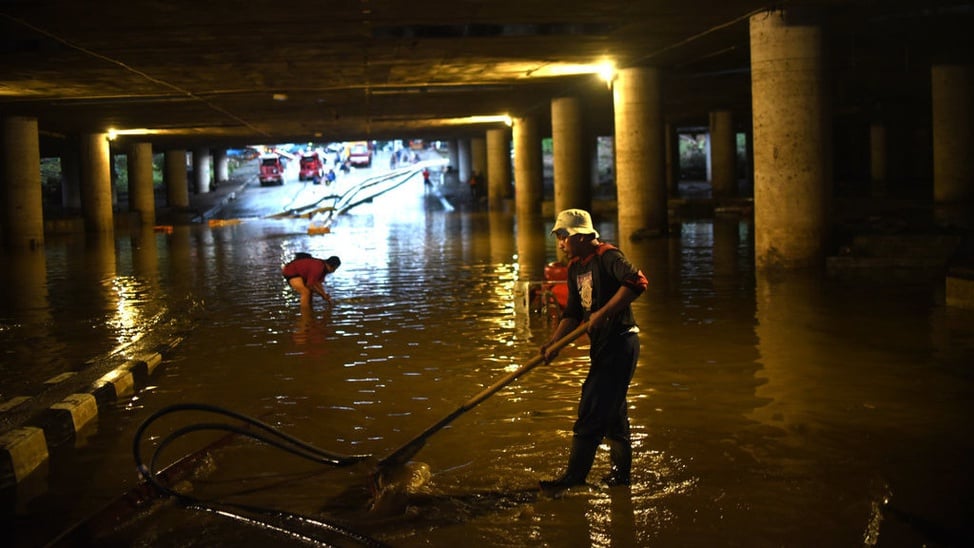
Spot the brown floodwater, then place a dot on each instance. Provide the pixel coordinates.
(766, 411)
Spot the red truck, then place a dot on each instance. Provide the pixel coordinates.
(312, 167)
(271, 170)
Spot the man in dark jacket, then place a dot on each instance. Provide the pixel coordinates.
(601, 285)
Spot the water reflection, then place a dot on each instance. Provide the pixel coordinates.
(26, 323)
(145, 254)
(25, 276)
(792, 356)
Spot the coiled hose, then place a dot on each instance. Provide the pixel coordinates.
(266, 434)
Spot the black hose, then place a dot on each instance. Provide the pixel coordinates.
(270, 436)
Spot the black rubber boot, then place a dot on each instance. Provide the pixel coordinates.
(579, 463)
(620, 451)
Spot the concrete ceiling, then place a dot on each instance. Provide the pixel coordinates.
(233, 73)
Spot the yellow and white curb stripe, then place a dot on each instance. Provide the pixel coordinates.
(23, 450)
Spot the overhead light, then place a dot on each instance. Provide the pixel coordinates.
(489, 119)
(607, 72)
(279, 96)
(114, 133)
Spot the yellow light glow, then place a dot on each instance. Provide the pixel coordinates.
(554, 69)
(607, 71)
(113, 133)
(490, 119)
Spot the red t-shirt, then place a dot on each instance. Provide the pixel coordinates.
(310, 270)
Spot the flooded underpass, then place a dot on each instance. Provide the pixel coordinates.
(782, 411)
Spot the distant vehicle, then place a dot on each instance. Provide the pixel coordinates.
(245, 154)
(271, 170)
(312, 166)
(360, 154)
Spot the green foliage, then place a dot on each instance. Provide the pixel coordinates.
(51, 172)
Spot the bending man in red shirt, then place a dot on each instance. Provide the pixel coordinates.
(306, 273)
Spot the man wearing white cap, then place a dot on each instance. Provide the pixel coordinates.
(601, 286)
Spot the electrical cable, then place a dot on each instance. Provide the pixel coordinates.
(270, 436)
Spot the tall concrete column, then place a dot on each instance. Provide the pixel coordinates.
(723, 154)
(96, 183)
(877, 158)
(453, 154)
(792, 181)
(573, 184)
(142, 197)
(201, 170)
(478, 156)
(20, 179)
(640, 184)
(463, 160)
(498, 167)
(221, 166)
(177, 188)
(952, 92)
(528, 179)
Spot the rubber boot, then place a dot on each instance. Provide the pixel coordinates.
(579, 463)
(620, 452)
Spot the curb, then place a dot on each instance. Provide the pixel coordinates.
(26, 448)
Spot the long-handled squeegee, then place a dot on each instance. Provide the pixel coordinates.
(403, 454)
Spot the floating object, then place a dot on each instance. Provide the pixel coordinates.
(223, 222)
(556, 286)
(319, 224)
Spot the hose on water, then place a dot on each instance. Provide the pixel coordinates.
(266, 434)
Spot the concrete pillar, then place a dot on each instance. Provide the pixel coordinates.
(201, 170)
(640, 187)
(20, 178)
(528, 179)
(96, 183)
(463, 160)
(708, 164)
(221, 166)
(723, 154)
(478, 156)
(792, 181)
(573, 183)
(453, 154)
(498, 167)
(177, 189)
(142, 197)
(877, 158)
(952, 92)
